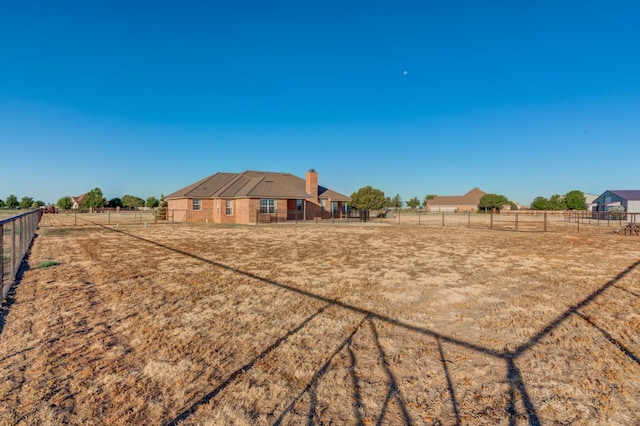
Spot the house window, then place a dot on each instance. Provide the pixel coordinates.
(267, 205)
(323, 205)
(334, 207)
(299, 205)
(229, 208)
(197, 204)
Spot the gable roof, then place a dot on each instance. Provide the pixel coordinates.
(629, 195)
(253, 184)
(79, 198)
(328, 193)
(471, 198)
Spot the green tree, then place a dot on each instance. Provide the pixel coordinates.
(557, 202)
(38, 203)
(26, 203)
(2, 204)
(115, 202)
(65, 203)
(427, 198)
(492, 202)
(162, 212)
(575, 200)
(540, 203)
(394, 202)
(12, 201)
(413, 203)
(94, 199)
(152, 202)
(513, 205)
(368, 198)
(132, 201)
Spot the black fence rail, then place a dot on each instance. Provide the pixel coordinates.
(521, 220)
(282, 216)
(16, 234)
(526, 220)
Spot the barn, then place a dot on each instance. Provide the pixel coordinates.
(628, 200)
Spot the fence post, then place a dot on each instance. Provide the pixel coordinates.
(21, 248)
(469, 219)
(443, 219)
(491, 220)
(12, 256)
(516, 221)
(75, 217)
(545, 222)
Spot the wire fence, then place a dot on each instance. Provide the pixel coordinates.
(101, 217)
(16, 233)
(519, 221)
(529, 220)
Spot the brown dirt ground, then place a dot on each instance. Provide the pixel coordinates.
(316, 324)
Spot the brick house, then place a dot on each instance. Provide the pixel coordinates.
(251, 197)
(456, 203)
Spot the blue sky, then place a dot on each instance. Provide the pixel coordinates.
(411, 97)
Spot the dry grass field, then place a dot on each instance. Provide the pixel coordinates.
(322, 324)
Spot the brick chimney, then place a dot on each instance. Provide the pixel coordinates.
(312, 185)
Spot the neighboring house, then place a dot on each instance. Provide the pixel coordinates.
(251, 197)
(77, 201)
(629, 200)
(456, 203)
(589, 201)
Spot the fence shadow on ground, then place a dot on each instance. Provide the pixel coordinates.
(513, 375)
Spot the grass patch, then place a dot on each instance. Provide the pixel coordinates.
(47, 264)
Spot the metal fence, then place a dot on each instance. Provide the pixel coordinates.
(17, 233)
(519, 220)
(528, 220)
(281, 216)
(100, 217)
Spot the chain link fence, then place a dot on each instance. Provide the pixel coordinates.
(17, 233)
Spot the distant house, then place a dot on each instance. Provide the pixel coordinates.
(77, 201)
(456, 203)
(629, 200)
(589, 201)
(251, 197)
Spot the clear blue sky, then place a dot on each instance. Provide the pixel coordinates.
(519, 98)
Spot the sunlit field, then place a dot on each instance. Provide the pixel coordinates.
(376, 323)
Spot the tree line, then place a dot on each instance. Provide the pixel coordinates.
(374, 199)
(12, 202)
(94, 199)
